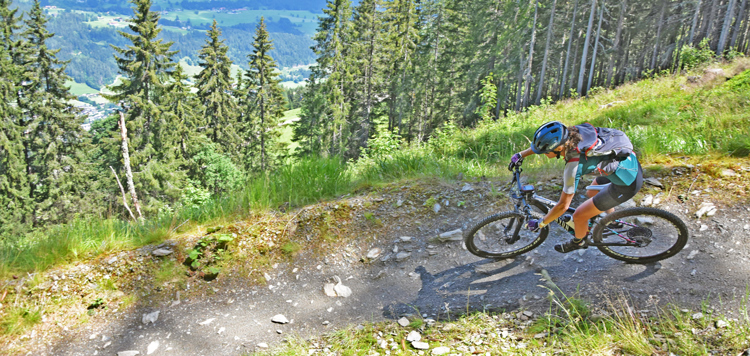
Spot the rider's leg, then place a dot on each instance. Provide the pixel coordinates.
(591, 193)
(581, 217)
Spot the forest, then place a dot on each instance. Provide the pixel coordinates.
(402, 69)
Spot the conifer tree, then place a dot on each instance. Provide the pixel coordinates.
(55, 139)
(15, 208)
(148, 69)
(367, 58)
(332, 40)
(214, 90)
(263, 105)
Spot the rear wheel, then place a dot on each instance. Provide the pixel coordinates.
(641, 235)
(504, 235)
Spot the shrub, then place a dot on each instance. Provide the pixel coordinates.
(692, 57)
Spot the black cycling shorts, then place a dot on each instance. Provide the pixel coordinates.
(615, 195)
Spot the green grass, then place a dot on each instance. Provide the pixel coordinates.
(569, 328)
(79, 89)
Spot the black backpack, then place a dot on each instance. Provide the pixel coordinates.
(602, 141)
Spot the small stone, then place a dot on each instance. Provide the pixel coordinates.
(693, 272)
(441, 350)
(128, 353)
(150, 317)
(467, 188)
(405, 238)
(697, 316)
(648, 200)
(436, 208)
(402, 256)
(692, 254)
(221, 330)
(207, 321)
(329, 289)
(528, 313)
(403, 322)
(413, 336)
(162, 252)
(712, 212)
(727, 173)
(703, 228)
(279, 319)
(721, 324)
(399, 203)
(342, 290)
(644, 221)
(152, 347)
(653, 181)
(419, 345)
(112, 260)
(453, 235)
(262, 345)
(279, 331)
(540, 336)
(374, 253)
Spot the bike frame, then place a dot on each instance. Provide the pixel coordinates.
(527, 193)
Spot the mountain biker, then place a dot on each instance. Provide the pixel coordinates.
(586, 149)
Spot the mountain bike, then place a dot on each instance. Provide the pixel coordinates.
(634, 235)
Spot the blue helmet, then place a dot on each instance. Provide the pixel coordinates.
(549, 137)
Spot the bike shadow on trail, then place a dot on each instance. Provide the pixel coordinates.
(465, 288)
(493, 286)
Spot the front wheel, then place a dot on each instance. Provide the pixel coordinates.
(503, 235)
(641, 235)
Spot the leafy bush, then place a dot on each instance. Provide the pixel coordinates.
(214, 171)
(385, 143)
(692, 57)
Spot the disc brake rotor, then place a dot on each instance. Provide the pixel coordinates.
(641, 235)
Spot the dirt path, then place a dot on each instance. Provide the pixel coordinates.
(437, 280)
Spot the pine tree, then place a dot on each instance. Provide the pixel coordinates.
(332, 40)
(15, 208)
(148, 68)
(55, 139)
(367, 58)
(263, 105)
(215, 90)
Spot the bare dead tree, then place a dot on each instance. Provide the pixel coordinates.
(126, 163)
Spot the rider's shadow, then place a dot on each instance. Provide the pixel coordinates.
(462, 289)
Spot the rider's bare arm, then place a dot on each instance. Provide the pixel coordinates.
(527, 152)
(562, 205)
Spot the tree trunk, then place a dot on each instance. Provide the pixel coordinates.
(546, 53)
(695, 20)
(712, 19)
(582, 70)
(519, 88)
(740, 18)
(122, 190)
(616, 44)
(596, 48)
(527, 74)
(567, 56)
(126, 164)
(658, 34)
(725, 28)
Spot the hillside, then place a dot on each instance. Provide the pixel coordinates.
(85, 32)
(297, 230)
